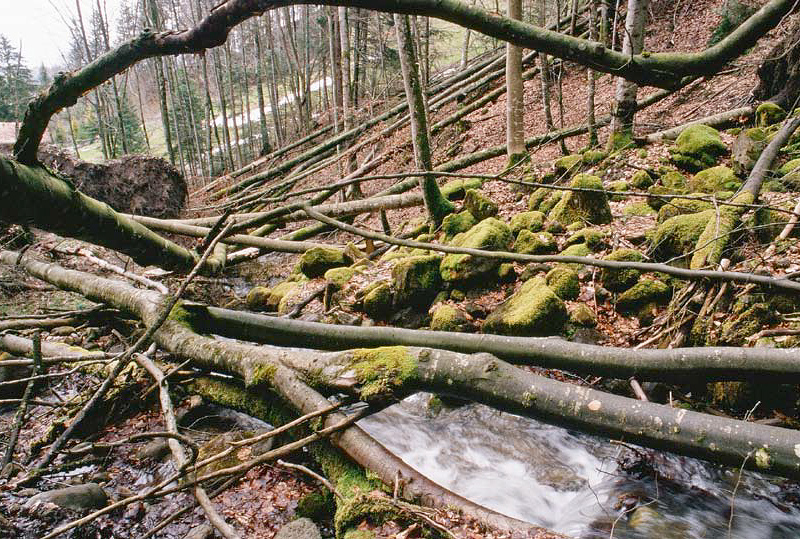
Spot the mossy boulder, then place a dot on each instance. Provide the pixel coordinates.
(697, 147)
(582, 206)
(257, 298)
(637, 209)
(564, 282)
(711, 180)
(535, 243)
(527, 220)
(594, 238)
(619, 280)
(790, 174)
(582, 315)
(619, 186)
(269, 299)
(506, 273)
(578, 249)
(592, 157)
(533, 310)
(736, 330)
(416, 280)
(316, 261)
(479, 205)
(769, 223)
(339, 277)
(677, 236)
(641, 180)
(747, 148)
(457, 189)
(768, 114)
(568, 164)
(682, 206)
(378, 301)
(456, 223)
(448, 318)
(490, 234)
(646, 291)
(672, 179)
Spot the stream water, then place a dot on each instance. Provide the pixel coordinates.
(572, 483)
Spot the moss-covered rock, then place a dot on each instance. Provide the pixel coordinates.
(527, 220)
(416, 280)
(506, 273)
(594, 238)
(578, 249)
(564, 282)
(533, 310)
(618, 187)
(316, 261)
(457, 189)
(490, 234)
(678, 235)
(588, 207)
(736, 330)
(682, 206)
(768, 114)
(456, 223)
(638, 209)
(535, 243)
(448, 318)
(479, 205)
(714, 179)
(769, 223)
(536, 198)
(592, 157)
(672, 179)
(643, 293)
(697, 147)
(339, 277)
(378, 301)
(582, 315)
(720, 233)
(257, 298)
(568, 164)
(269, 299)
(790, 174)
(619, 280)
(747, 148)
(641, 180)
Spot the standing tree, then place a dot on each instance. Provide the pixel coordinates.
(435, 203)
(515, 102)
(625, 98)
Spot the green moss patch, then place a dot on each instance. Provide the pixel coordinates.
(533, 310)
(619, 280)
(381, 371)
(490, 234)
(479, 205)
(316, 261)
(697, 147)
(584, 206)
(711, 180)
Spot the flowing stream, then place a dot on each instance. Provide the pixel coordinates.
(572, 483)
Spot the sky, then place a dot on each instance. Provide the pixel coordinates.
(39, 26)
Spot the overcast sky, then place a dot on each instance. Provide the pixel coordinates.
(39, 26)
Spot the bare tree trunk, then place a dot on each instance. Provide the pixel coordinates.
(280, 134)
(237, 141)
(515, 103)
(436, 204)
(590, 107)
(625, 98)
(545, 72)
(154, 19)
(266, 147)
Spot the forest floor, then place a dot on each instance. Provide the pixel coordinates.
(268, 496)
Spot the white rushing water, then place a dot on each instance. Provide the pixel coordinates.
(569, 482)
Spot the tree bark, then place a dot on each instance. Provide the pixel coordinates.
(625, 98)
(515, 102)
(436, 205)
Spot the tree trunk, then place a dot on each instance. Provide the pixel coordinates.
(515, 102)
(625, 97)
(436, 205)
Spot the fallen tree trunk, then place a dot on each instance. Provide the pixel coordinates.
(177, 337)
(385, 374)
(676, 364)
(722, 119)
